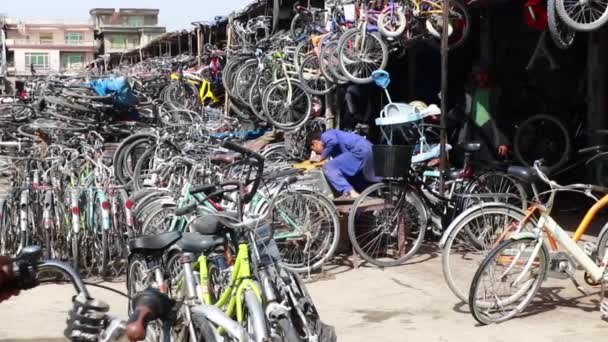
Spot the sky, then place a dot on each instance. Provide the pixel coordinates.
(174, 14)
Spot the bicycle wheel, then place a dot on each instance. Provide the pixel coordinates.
(507, 280)
(498, 183)
(298, 29)
(303, 50)
(583, 15)
(306, 229)
(255, 97)
(9, 226)
(100, 239)
(392, 23)
(287, 105)
(361, 54)
(244, 80)
(459, 29)
(386, 224)
(312, 78)
(561, 34)
(542, 137)
(334, 62)
(159, 220)
(475, 232)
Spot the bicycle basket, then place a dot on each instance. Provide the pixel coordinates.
(267, 247)
(392, 161)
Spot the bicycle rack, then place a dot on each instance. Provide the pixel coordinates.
(395, 118)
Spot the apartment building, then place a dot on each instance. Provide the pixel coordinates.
(125, 29)
(49, 46)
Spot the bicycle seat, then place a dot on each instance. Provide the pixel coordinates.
(196, 243)
(223, 158)
(525, 174)
(472, 146)
(153, 244)
(209, 224)
(453, 174)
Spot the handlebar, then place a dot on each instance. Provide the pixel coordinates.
(260, 166)
(149, 304)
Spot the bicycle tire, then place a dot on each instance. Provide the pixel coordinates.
(570, 19)
(518, 141)
(464, 34)
(489, 261)
(299, 19)
(459, 241)
(280, 87)
(414, 205)
(308, 79)
(334, 63)
(496, 182)
(561, 34)
(342, 48)
(401, 23)
(327, 250)
(288, 331)
(303, 50)
(243, 81)
(202, 325)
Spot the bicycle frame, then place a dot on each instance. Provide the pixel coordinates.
(240, 281)
(555, 234)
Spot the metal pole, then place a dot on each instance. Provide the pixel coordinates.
(179, 43)
(228, 46)
(444, 93)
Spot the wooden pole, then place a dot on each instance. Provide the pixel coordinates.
(179, 43)
(199, 51)
(444, 94)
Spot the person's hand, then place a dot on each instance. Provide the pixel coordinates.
(6, 276)
(503, 150)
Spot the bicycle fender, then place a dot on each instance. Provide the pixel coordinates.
(472, 209)
(105, 213)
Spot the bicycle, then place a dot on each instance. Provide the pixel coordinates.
(149, 305)
(525, 259)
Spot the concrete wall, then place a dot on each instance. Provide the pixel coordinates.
(33, 35)
(21, 68)
(133, 41)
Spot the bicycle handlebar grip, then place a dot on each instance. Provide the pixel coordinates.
(185, 210)
(138, 322)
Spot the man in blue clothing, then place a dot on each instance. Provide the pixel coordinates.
(352, 163)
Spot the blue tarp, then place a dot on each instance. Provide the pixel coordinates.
(123, 95)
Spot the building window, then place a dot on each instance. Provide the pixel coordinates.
(46, 37)
(73, 61)
(74, 38)
(39, 60)
(135, 21)
(118, 42)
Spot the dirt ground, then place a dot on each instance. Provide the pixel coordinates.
(406, 303)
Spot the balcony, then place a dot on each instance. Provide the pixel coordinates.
(70, 45)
